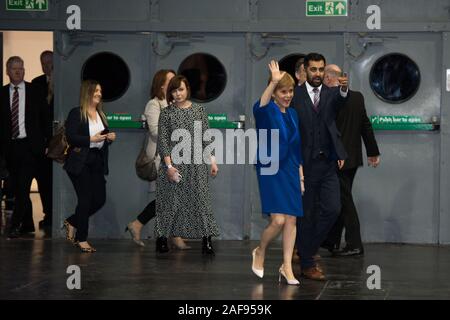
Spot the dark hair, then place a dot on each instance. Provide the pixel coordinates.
(174, 84)
(314, 57)
(298, 64)
(158, 81)
(46, 52)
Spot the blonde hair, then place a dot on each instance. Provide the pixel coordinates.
(86, 94)
(286, 81)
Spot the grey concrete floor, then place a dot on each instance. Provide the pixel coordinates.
(37, 269)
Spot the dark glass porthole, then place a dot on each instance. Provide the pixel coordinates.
(110, 71)
(395, 78)
(206, 76)
(289, 62)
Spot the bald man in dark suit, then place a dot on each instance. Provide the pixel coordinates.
(354, 125)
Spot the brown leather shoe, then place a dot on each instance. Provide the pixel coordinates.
(314, 273)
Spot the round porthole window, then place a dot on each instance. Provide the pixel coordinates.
(395, 78)
(289, 64)
(110, 71)
(206, 76)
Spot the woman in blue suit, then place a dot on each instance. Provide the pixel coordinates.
(280, 192)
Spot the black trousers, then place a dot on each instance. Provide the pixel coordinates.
(321, 204)
(44, 180)
(348, 217)
(24, 167)
(90, 187)
(148, 213)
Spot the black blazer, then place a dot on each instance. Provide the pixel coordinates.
(41, 86)
(77, 132)
(330, 101)
(35, 116)
(353, 123)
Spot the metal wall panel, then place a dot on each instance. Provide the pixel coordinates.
(126, 194)
(330, 45)
(229, 189)
(398, 202)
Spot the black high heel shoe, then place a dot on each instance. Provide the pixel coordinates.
(161, 245)
(66, 226)
(207, 247)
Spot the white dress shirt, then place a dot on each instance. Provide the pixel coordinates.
(21, 90)
(94, 128)
(311, 93)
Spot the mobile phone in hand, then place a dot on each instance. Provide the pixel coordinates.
(106, 131)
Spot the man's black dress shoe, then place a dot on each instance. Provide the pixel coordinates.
(14, 233)
(349, 252)
(330, 247)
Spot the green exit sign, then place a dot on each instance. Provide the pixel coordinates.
(322, 8)
(27, 5)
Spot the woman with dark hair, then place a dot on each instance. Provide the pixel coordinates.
(152, 110)
(183, 200)
(87, 161)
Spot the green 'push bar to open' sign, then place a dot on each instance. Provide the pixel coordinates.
(406, 123)
(125, 121)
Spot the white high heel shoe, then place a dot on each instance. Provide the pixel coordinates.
(259, 272)
(294, 281)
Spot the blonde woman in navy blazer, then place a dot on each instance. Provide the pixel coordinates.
(87, 162)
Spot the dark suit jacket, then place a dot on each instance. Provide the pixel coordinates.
(353, 123)
(77, 132)
(330, 101)
(41, 86)
(35, 115)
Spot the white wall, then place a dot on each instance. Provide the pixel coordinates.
(28, 45)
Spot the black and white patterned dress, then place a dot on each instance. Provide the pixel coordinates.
(183, 209)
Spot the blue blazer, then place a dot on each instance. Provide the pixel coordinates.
(77, 132)
(330, 102)
(270, 117)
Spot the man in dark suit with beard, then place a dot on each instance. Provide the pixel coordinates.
(22, 138)
(44, 86)
(353, 123)
(323, 153)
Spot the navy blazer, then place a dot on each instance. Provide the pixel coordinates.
(77, 132)
(330, 102)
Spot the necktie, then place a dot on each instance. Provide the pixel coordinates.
(316, 99)
(15, 114)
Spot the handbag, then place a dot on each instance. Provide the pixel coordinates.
(146, 165)
(58, 145)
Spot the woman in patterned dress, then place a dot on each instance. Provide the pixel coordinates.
(183, 200)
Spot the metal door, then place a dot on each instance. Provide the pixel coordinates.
(399, 201)
(126, 194)
(229, 188)
(279, 46)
